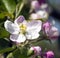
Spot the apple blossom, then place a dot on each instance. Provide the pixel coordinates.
(43, 14)
(21, 30)
(51, 31)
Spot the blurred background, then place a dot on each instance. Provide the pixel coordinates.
(10, 9)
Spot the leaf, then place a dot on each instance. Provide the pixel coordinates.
(2, 15)
(10, 5)
(16, 54)
(3, 33)
(19, 7)
(2, 7)
(25, 11)
(5, 46)
(7, 49)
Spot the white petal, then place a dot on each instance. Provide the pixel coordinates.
(43, 14)
(34, 25)
(11, 27)
(19, 20)
(19, 38)
(34, 16)
(44, 6)
(32, 35)
(14, 37)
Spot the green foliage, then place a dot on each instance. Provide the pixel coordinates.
(45, 44)
(10, 5)
(30, 53)
(4, 46)
(17, 54)
(3, 33)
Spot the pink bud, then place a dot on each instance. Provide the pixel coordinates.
(37, 50)
(51, 31)
(46, 27)
(53, 34)
(49, 54)
(35, 4)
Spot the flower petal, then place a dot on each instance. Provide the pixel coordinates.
(34, 16)
(19, 20)
(36, 49)
(54, 33)
(32, 35)
(14, 37)
(34, 25)
(35, 5)
(43, 14)
(19, 38)
(11, 27)
(49, 54)
(46, 27)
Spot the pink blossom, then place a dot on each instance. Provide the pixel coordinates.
(47, 27)
(36, 49)
(50, 31)
(49, 54)
(35, 5)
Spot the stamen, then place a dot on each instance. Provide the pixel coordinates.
(22, 28)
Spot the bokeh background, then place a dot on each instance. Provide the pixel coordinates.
(8, 9)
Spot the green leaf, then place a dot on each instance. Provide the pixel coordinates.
(19, 7)
(4, 46)
(16, 54)
(3, 33)
(2, 15)
(44, 44)
(2, 7)
(8, 49)
(10, 5)
(25, 11)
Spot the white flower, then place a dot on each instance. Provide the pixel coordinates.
(21, 29)
(43, 14)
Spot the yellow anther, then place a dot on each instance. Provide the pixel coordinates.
(23, 28)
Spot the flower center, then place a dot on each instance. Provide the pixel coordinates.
(23, 28)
